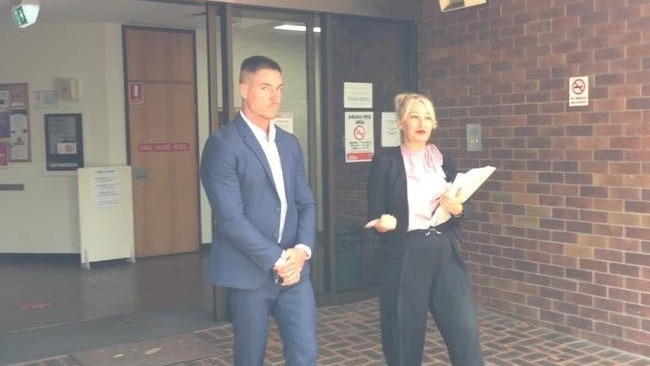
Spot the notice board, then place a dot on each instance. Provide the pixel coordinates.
(105, 214)
(15, 141)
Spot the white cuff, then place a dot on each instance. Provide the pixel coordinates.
(281, 260)
(305, 248)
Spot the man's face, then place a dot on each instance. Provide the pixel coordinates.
(261, 93)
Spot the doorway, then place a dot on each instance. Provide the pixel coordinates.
(318, 53)
(291, 39)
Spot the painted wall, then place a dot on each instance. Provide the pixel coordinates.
(44, 218)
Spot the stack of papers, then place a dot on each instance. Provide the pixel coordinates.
(467, 183)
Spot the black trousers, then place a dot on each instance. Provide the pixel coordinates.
(426, 273)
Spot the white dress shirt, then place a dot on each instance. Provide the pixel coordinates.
(270, 149)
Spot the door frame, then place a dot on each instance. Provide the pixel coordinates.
(220, 17)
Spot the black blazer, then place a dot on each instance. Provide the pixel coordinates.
(387, 193)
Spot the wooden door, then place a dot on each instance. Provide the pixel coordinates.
(162, 130)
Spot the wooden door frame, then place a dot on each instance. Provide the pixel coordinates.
(125, 82)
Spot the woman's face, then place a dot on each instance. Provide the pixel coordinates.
(416, 126)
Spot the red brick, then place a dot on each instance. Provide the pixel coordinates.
(623, 269)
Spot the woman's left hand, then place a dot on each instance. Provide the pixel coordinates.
(452, 203)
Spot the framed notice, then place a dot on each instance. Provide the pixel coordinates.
(63, 142)
(14, 122)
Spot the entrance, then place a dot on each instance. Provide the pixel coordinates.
(291, 39)
(355, 49)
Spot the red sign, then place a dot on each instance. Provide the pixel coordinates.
(36, 305)
(363, 156)
(136, 93)
(163, 147)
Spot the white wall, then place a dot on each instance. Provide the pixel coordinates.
(44, 217)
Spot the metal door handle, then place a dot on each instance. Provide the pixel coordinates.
(140, 173)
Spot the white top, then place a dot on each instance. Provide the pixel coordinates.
(270, 149)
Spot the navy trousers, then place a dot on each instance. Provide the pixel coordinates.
(294, 310)
(425, 273)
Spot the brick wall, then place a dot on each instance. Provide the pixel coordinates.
(562, 236)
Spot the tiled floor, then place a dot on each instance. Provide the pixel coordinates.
(348, 334)
(44, 290)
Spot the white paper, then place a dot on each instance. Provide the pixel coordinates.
(464, 187)
(19, 147)
(390, 135)
(285, 121)
(357, 95)
(106, 186)
(46, 99)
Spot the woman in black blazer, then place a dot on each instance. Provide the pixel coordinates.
(422, 269)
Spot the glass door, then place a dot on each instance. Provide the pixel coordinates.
(291, 39)
(380, 54)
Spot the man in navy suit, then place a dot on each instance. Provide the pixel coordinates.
(264, 213)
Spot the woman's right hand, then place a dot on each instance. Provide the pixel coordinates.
(383, 224)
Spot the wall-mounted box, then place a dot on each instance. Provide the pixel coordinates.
(474, 137)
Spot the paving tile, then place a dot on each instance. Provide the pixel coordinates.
(349, 336)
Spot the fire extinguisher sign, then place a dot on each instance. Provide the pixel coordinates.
(136, 93)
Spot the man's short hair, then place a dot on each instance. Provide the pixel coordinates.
(252, 64)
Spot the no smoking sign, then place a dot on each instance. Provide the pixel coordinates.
(578, 91)
(359, 132)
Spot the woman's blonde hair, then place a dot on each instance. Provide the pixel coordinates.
(404, 104)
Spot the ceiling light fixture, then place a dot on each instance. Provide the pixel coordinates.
(295, 28)
(449, 5)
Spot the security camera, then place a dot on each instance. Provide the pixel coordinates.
(25, 13)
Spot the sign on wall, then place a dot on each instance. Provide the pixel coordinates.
(578, 91)
(359, 137)
(357, 95)
(390, 134)
(136, 93)
(14, 121)
(63, 142)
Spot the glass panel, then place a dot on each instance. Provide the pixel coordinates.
(355, 250)
(283, 37)
(256, 33)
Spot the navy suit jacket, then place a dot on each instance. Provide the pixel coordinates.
(246, 207)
